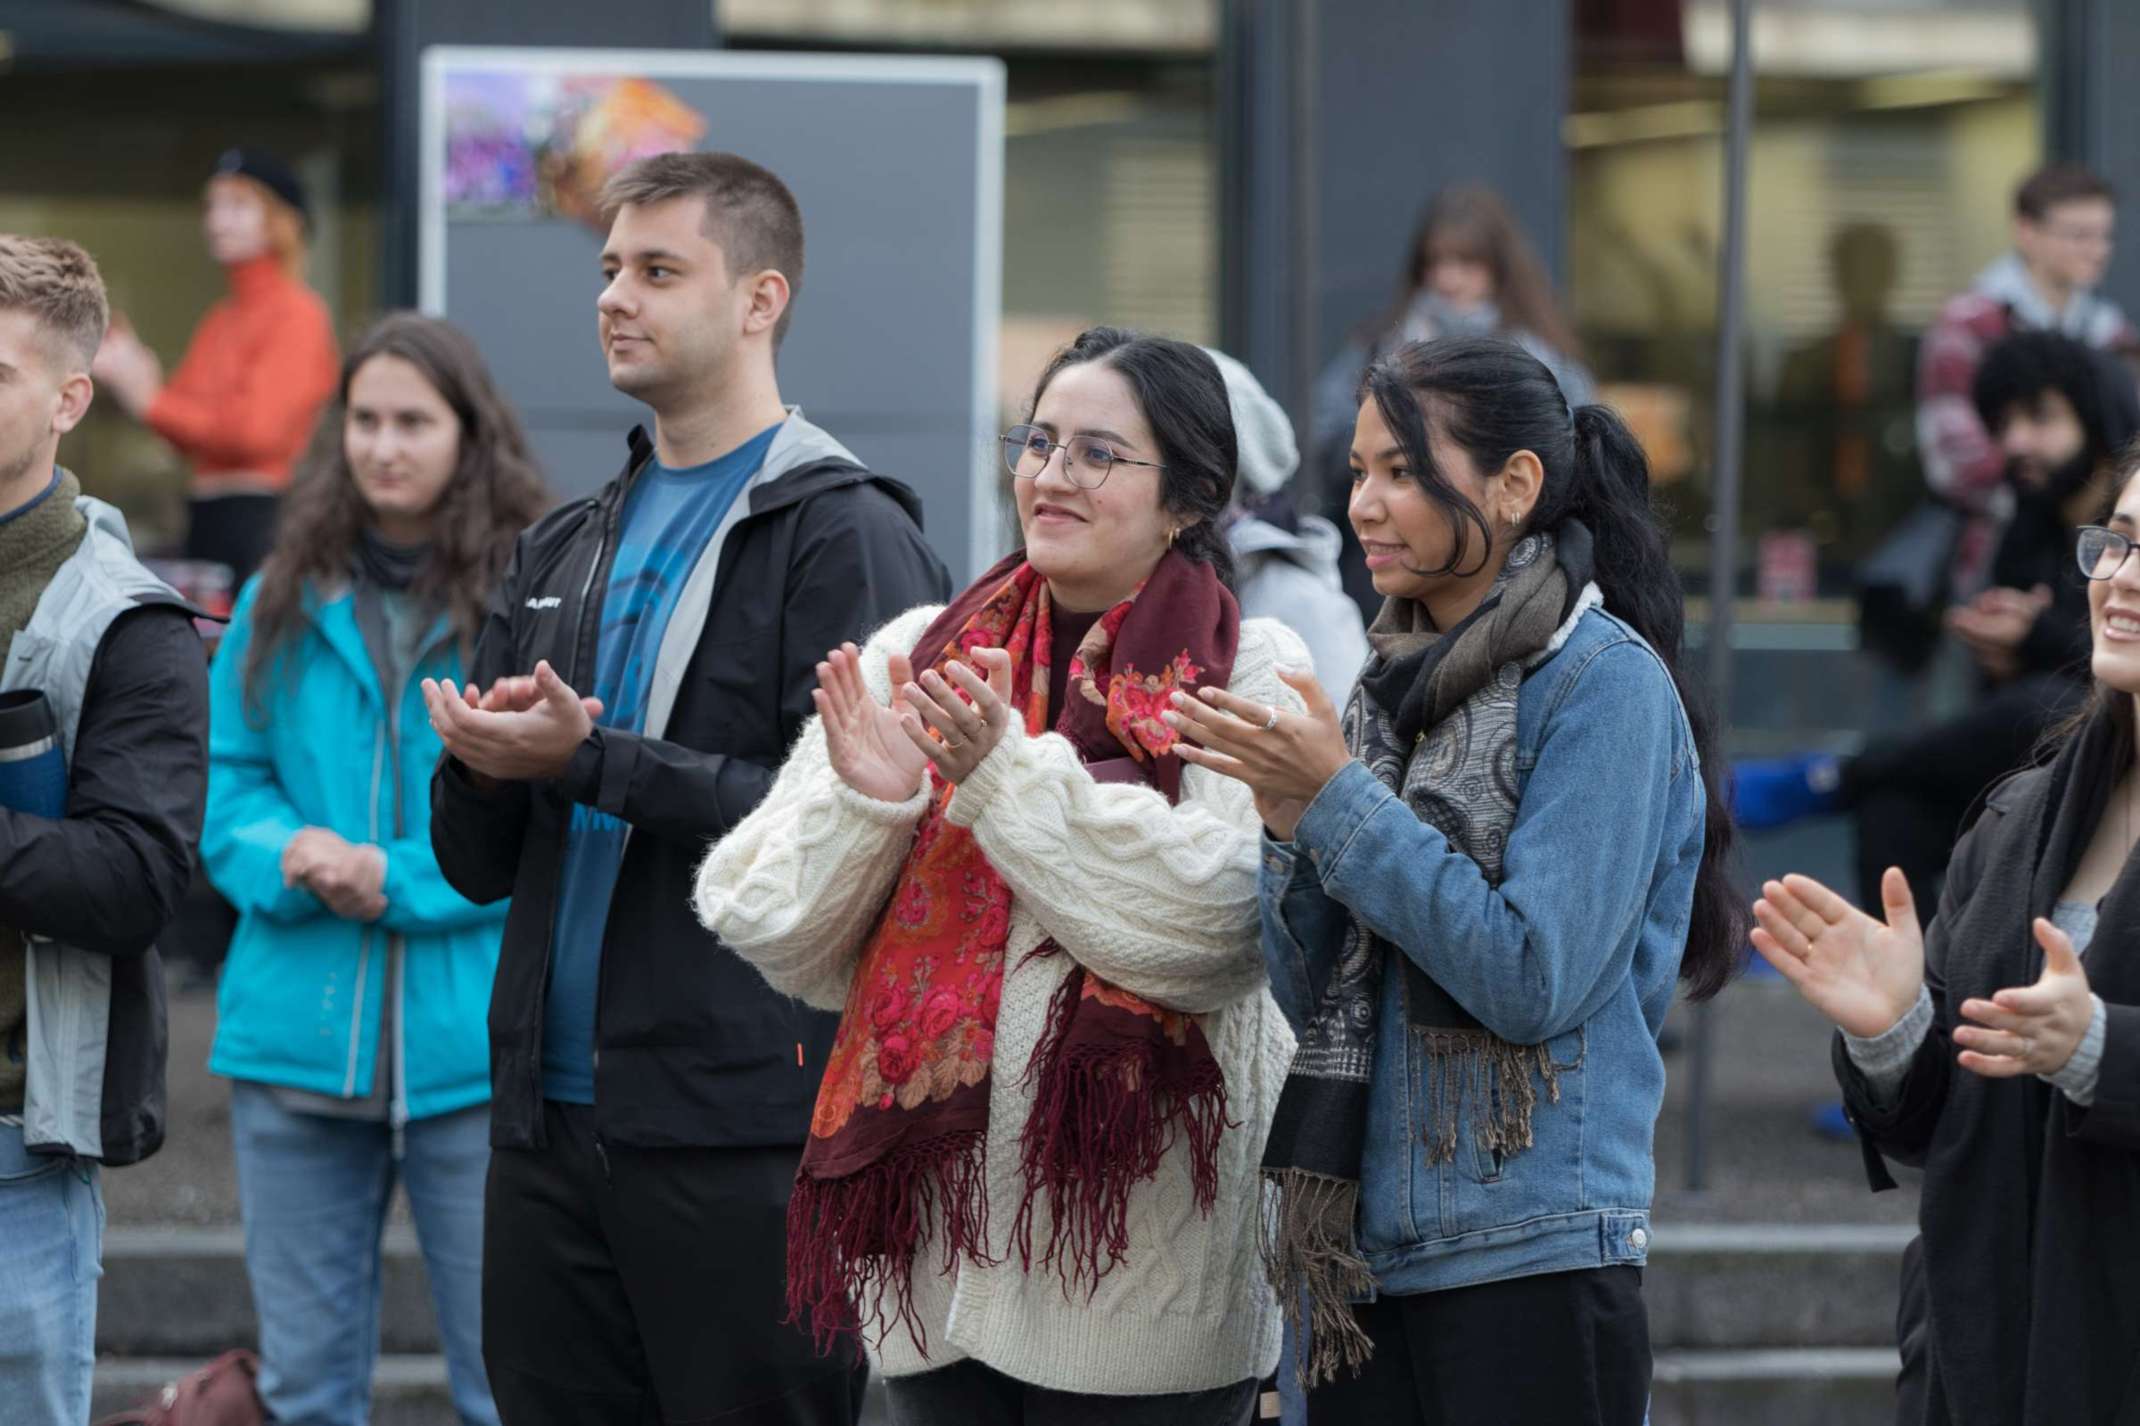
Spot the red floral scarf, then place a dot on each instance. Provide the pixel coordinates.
(897, 1140)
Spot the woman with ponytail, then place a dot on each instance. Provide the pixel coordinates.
(1031, 1178)
(1481, 882)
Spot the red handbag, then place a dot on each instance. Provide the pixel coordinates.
(219, 1394)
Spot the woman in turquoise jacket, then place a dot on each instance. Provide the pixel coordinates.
(352, 1006)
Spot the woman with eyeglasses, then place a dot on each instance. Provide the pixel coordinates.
(1031, 1179)
(1999, 1051)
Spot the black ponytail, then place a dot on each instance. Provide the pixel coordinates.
(1183, 397)
(1491, 399)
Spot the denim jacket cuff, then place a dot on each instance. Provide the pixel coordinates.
(1337, 812)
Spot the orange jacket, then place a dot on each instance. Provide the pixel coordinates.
(259, 367)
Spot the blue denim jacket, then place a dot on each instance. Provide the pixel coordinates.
(1578, 948)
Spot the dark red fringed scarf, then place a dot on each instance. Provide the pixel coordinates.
(897, 1141)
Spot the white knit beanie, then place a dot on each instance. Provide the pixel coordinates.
(1269, 454)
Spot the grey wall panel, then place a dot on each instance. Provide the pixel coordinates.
(896, 165)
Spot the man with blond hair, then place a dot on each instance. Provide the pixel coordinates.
(105, 659)
(649, 1093)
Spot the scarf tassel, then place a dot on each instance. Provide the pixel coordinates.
(1475, 1067)
(852, 1241)
(1103, 1117)
(1317, 1272)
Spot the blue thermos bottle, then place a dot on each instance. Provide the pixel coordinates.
(33, 775)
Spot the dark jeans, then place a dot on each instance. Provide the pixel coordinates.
(234, 530)
(974, 1395)
(1910, 793)
(625, 1287)
(1572, 1349)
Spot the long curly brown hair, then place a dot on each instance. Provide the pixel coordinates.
(496, 492)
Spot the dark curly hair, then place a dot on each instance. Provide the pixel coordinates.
(495, 493)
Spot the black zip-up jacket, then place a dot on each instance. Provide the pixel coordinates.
(692, 1048)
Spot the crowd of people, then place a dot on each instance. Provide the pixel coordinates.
(1134, 986)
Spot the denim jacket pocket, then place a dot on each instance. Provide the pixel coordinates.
(1477, 1187)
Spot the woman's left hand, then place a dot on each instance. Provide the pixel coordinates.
(1285, 758)
(2031, 1029)
(964, 732)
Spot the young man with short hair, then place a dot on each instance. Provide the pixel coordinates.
(641, 677)
(83, 895)
(2064, 221)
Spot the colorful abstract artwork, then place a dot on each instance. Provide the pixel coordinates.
(521, 145)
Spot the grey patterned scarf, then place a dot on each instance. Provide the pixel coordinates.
(1434, 717)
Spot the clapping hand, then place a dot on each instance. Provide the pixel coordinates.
(526, 728)
(349, 879)
(872, 745)
(1285, 758)
(2031, 1029)
(962, 731)
(1860, 972)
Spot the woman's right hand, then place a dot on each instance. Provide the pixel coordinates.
(1862, 974)
(868, 748)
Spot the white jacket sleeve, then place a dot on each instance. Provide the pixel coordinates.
(796, 887)
(1158, 900)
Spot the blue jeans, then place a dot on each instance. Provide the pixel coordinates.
(314, 1191)
(51, 1255)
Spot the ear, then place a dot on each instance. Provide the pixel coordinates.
(768, 300)
(72, 402)
(1521, 480)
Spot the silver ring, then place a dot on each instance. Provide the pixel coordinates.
(1270, 724)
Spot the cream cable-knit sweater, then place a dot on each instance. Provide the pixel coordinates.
(1159, 900)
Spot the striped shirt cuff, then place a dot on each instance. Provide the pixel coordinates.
(2077, 1079)
(1884, 1059)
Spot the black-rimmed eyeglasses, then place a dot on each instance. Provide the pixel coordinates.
(1086, 459)
(2101, 552)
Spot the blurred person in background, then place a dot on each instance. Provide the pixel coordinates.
(95, 857)
(350, 1017)
(2059, 413)
(243, 402)
(2064, 223)
(650, 1095)
(1285, 563)
(1998, 1051)
(1469, 271)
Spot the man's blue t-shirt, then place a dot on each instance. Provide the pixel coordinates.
(669, 518)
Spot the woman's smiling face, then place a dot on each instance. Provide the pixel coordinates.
(1096, 546)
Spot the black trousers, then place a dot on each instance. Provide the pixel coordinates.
(627, 1287)
(1911, 792)
(1559, 1349)
(970, 1394)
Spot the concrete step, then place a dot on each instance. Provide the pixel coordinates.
(182, 1293)
(1833, 1386)
(407, 1390)
(1745, 1287)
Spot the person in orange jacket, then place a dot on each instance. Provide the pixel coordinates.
(262, 362)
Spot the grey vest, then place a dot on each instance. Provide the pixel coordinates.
(69, 990)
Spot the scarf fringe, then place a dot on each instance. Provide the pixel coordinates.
(1103, 1118)
(852, 1241)
(1317, 1272)
(1496, 1078)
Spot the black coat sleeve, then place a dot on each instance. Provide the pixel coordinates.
(1901, 1131)
(476, 832)
(859, 562)
(108, 876)
(2114, 1117)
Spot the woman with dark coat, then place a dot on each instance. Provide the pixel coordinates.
(2001, 1053)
